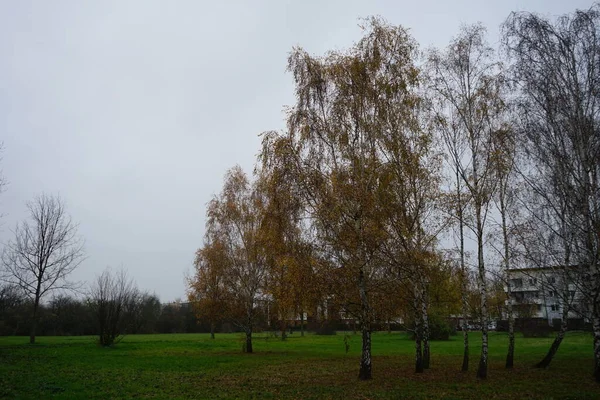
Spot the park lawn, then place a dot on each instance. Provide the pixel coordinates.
(184, 366)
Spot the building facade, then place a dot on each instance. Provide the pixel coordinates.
(544, 292)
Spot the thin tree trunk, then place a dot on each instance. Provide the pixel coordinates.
(34, 320)
(483, 361)
(33, 326)
(249, 340)
(465, 324)
(250, 314)
(212, 329)
(283, 329)
(511, 332)
(564, 318)
(556, 343)
(425, 324)
(302, 322)
(418, 334)
(596, 327)
(464, 282)
(509, 308)
(365, 359)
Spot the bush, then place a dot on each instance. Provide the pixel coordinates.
(439, 328)
(109, 298)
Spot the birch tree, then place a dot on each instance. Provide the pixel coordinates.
(413, 218)
(285, 234)
(206, 289)
(467, 85)
(557, 66)
(336, 130)
(234, 220)
(457, 203)
(504, 158)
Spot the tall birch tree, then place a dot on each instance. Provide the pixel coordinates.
(234, 220)
(467, 87)
(557, 67)
(336, 132)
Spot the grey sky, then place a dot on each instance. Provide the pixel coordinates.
(133, 110)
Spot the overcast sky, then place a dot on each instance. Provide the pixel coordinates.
(132, 111)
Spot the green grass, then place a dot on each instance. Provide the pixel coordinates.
(194, 366)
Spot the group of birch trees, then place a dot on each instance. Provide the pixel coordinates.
(398, 163)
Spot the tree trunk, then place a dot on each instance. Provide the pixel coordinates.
(419, 354)
(249, 316)
(509, 308)
(418, 335)
(596, 327)
(465, 277)
(511, 336)
(33, 327)
(555, 344)
(563, 322)
(465, 364)
(483, 361)
(426, 351)
(34, 316)
(212, 330)
(249, 340)
(302, 323)
(425, 325)
(283, 329)
(365, 358)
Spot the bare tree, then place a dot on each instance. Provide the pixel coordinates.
(45, 250)
(504, 150)
(109, 299)
(468, 84)
(557, 67)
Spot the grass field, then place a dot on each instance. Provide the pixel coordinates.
(194, 366)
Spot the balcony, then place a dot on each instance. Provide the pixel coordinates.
(525, 301)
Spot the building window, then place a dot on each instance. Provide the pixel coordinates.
(516, 283)
(532, 281)
(555, 307)
(551, 293)
(551, 279)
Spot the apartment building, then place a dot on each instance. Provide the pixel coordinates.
(542, 292)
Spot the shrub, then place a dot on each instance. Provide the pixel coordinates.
(439, 328)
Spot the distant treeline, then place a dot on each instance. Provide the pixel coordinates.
(67, 315)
